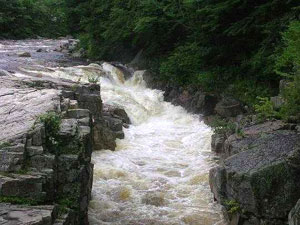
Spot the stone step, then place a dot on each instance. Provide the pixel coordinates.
(11, 157)
(78, 113)
(24, 186)
(33, 215)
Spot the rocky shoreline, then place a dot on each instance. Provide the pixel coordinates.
(257, 180)
(49, 128)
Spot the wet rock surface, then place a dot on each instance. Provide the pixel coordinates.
(49, 128)
(19, 215)
(257, 181)
(260, 173)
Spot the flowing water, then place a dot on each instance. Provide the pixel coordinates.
(158, 174)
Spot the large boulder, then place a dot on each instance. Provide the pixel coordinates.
(229, 107)
(263, 179)
(244, 140)
(202, 103)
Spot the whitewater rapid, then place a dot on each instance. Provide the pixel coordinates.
(158, 174)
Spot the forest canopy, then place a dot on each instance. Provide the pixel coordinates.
(238, 47)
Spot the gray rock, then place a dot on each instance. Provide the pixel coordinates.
(18, 215)
(104, 137)
(78, 113)
(294, 215)
(68, 127)
(217, 142)
(42, 50)
(42, 162)
(11, 161)
(20, 108)
(282, 85)
(237, 143)
(264, 178)
(34, 150)
(24, 54)
(22, 186)
(4, 73)
(277, 101)
(229, 107)
(116, 112)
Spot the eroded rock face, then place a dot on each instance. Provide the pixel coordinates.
(263, 178)
(294, 216)
(39, 173)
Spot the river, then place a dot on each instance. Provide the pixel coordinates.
(158, 174)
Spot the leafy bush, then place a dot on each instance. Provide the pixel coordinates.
(288, 62)
(265, 109)
(52, 123)
(222, 126)
(232, 206)
(29, 18)
(291, 95)
(288, 65)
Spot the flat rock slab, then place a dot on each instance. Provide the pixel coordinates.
(20, 215)
(19, 109)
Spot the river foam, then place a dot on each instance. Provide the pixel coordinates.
(159, 173)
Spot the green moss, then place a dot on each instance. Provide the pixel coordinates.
(273, 183)
(232, 207)
(19, 200)
(4, 144)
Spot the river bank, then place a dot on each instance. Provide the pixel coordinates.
(157, 175)
(49, 129)
(257, 180)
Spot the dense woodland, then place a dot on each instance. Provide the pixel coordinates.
(241, 48)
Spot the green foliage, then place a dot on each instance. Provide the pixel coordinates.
(222, 126)
(247, 91)
(265, 109)
(292, 98)
(288, 62)
(209, 44)
(29, 18)
(232, 206)
(52, 123)
(18, 200)
(288, 65)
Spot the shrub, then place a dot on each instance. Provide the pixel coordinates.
(291, 94)
(232, 206)
(51, 122)
(265, 109)
(222, 126)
